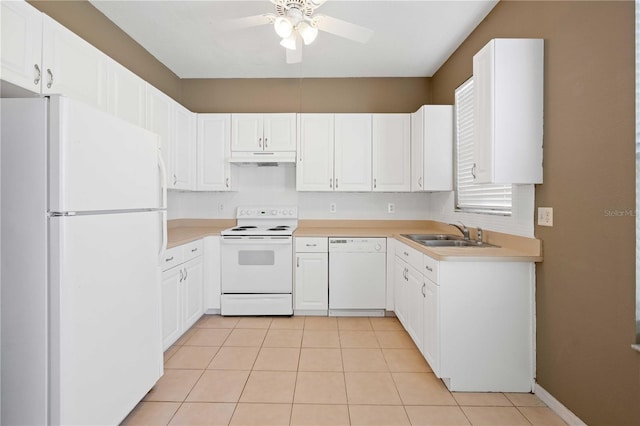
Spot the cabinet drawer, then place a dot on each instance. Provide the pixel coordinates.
(430, 268)
(192, 250)
(312, 245)
(410, 255)
(172, 257)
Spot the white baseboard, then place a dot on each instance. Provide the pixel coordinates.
(557, 407)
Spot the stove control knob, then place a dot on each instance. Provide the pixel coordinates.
(291, 212)
(378, 247)
(274, 212)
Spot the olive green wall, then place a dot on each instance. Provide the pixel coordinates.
(306, 95)
(586, 284)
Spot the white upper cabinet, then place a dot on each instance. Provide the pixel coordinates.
(508, 108)
(159, 121)
(352, 152)
(432, 148)
(21, 57)
(72, 67)
(391, 152)
(213, 171)
(263, 132)
(183, 148)
(126, 94)
(314, 169)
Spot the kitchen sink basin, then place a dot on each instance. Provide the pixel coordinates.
(445, 240)
(431, 237)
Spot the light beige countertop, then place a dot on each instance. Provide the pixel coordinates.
(511, 248)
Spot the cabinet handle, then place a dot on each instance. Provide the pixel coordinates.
(185, 274)
(175, 179)
(473, 171)
(420, 182)
(50, 74)
(169, 259)
(226, 182)
(297, 262)
(429, 268)
(336, 183)
(36, 81)
(265, 142)
(194, 250)
(311, 245)
(405, 253)
(375, 184)
(422, 290)
(181, 276)
(260, 142)
(331, 183)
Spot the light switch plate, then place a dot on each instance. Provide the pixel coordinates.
(545, 216)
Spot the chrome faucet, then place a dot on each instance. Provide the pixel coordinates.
(480, 235)
(463, 229)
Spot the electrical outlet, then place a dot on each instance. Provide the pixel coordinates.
(545, 216)
(332, 208)
(220, 207)
(391, 208)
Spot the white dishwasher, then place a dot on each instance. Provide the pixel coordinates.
(357, 276)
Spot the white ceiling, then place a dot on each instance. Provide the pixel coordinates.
(411, 39)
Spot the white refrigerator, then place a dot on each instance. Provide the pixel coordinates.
(83, 226)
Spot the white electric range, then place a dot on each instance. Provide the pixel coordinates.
(257, 261)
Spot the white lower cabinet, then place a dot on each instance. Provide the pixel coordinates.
(311, 288)
(472, 321)
(182, 290)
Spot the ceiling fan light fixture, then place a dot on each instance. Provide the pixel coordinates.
(307, 32)
(283, 26)
(289, 42)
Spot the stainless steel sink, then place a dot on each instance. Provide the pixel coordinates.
(429, 237)
(445, 240)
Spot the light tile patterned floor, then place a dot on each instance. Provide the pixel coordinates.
(315, 371)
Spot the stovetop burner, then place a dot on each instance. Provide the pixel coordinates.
(264, 221)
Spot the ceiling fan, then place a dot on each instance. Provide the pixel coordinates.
(294, 21)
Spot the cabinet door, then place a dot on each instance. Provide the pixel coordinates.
(431, 331)
(159, 121)
(171, 306)
(183, 147)
(391, 152)
(401, 291)
(415, 306)
(126, 94)
(314, 168)
(352, 155)
(246, 132)
(417, 152)
(72, 67)
(279, 132)
(437, 150)
(483, 112)
(213, 149)
(311, 290)
(192, 292)
(21, 45)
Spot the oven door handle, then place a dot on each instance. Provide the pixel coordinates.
(253, 241)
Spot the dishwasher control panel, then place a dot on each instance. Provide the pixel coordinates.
(357, 245)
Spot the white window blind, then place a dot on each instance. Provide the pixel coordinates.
(470, 196)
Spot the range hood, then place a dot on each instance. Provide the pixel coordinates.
(263, 158)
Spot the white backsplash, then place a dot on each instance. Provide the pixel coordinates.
(276, 185)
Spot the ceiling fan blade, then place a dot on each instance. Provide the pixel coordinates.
(246, 22)
(295, 56)
(343, 28)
